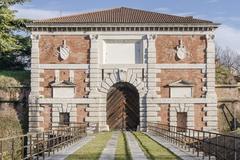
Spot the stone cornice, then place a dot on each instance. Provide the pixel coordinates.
(73, 27)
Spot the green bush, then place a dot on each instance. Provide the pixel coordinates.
(21, 76)
(7, 83)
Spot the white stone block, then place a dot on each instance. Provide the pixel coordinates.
(210, 118)
(92, 119)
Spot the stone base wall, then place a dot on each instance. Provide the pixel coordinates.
(228, 95)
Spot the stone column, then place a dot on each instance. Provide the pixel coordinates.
(95, 110)
(34, 108)
(210, 118)
(152, 108)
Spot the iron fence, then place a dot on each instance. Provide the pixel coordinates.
(202, 143)
(40, 145)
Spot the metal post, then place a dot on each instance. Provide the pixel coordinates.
(216, 152)
(203, 144)
(13, 148)
(224, 143)
(189, 139)
(193, 142)
(1, 150)
(43, 146)
(209, 146)
(235, 127)
(23, 146)
(198, 144)
(30, 146)
(37, 138)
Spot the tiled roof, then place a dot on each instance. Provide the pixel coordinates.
(123, 15)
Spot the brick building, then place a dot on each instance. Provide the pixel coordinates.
(121, 68)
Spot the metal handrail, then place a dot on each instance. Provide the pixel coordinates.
(210, 144)
(40, 144)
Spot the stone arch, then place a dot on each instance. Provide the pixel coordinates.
(120, 75)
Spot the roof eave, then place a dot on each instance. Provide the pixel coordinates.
(45, 24)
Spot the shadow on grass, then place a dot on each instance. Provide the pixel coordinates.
(93, 149)
(152, 149)
(128, 154)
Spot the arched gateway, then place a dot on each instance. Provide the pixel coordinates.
(165, 63)
(123, 106)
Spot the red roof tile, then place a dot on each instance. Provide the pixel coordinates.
(123, 15)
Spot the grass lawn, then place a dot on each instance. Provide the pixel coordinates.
(93, 149)
(20, 75)
(122, 151)
(152, 149)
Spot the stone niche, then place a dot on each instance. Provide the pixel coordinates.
(181, 89)
(122, 51)
(63, 89)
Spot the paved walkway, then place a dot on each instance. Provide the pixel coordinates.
(109, 151)
(135, 150)
(184, 155)
(61, 155)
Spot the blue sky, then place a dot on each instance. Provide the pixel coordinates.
(226, 12)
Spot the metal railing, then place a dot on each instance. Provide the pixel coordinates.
(41, 144)
(201, 143)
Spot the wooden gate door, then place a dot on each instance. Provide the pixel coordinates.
(181, 121)
(122, 107)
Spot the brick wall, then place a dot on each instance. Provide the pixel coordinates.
(81, 113)
(198, 116)
(166, 49)
(169, 76)
(79, 80)
(78, 45)
(47, 116)
(48, 77)
(164, 113)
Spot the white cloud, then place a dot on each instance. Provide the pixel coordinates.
(237, 19)
(163, 9)
(184, 14)
(227, 36)
(212, 1)
(33, 13)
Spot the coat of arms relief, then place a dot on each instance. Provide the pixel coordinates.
(181, 52)
(63, 51)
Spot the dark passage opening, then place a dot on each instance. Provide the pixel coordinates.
(123, 107)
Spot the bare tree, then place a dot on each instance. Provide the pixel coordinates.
(228, 58)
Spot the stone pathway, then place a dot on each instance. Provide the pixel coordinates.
(184, 155)
(61, 155)
(109, 151)
(135, 150)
